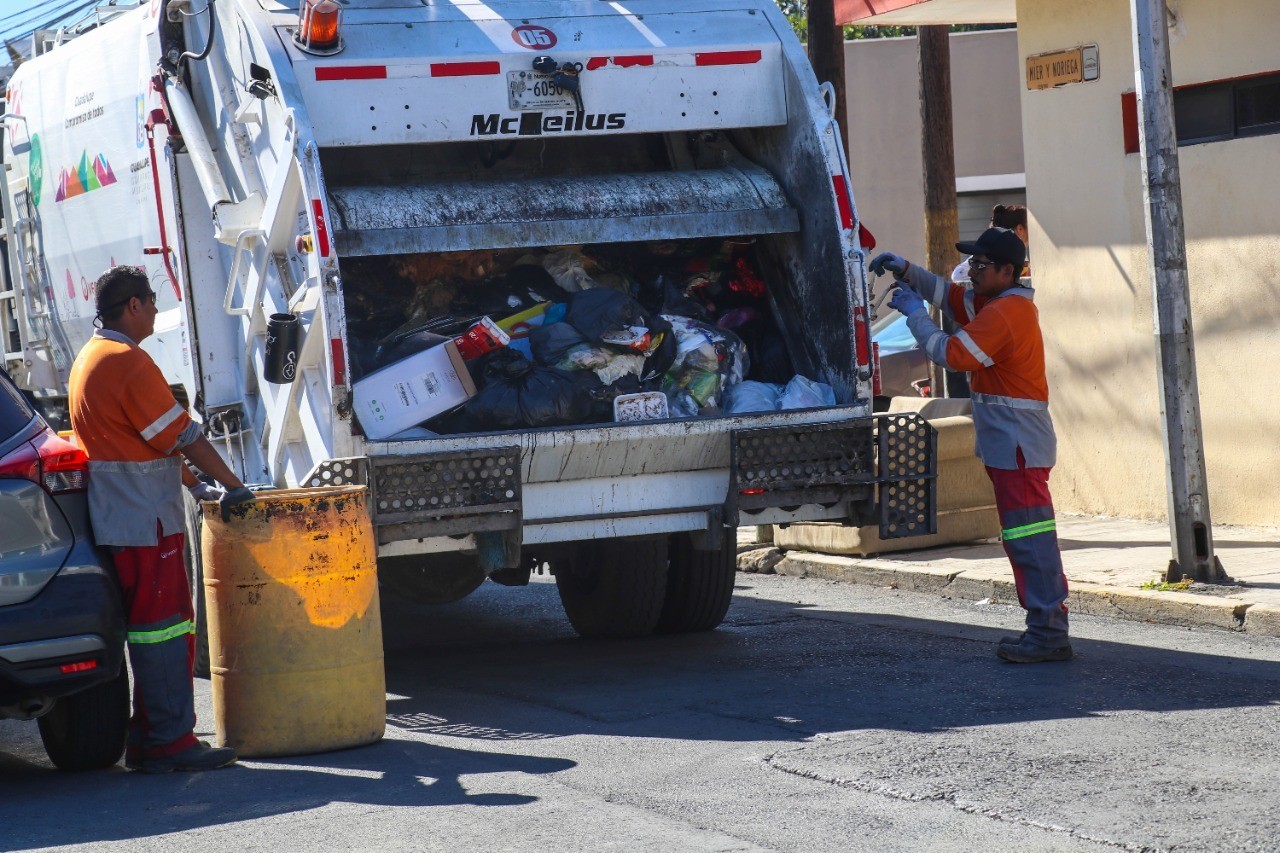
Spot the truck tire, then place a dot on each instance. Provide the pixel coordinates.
(87, 730)
(699, 585)
(613, 587)
(431, 578)
(195, 577)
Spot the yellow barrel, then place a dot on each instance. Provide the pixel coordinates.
(295, 634)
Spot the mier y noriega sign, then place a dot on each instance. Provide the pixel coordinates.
(1062, 67)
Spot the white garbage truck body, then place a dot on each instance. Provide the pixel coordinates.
(244, 167)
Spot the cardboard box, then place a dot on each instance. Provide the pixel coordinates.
(401, 395)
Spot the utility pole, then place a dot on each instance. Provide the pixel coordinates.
(1186, 480)
(826, 55)
(937, 145)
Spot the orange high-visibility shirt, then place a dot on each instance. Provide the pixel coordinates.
(130, 426)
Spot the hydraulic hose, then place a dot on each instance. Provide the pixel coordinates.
(208, 46)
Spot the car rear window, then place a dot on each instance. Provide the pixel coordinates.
(15, 411)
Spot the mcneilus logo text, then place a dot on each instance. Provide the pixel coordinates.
(536, 124)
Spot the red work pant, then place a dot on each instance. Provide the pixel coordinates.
(162, 647)
(1031, 542)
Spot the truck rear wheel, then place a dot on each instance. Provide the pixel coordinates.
(431, 578)
(613, 587)
(699, 585)
(195, 577)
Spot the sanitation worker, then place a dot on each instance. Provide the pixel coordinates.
(136, 434)
(999, 343)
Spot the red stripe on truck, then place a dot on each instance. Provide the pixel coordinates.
(728, 57)
(619, 61)
(842, 201)
(351, 72)
(339, 361)
(322, 229)
(464, 69)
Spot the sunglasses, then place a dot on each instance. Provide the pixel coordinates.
(979, 266)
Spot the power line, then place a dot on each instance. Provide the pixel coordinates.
(28, 25)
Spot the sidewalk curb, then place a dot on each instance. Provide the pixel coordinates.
(1167, 608)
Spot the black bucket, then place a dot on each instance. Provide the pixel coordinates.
(280, 360)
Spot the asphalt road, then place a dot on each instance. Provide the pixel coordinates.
(820, 717)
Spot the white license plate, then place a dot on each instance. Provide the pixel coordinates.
(529, 90)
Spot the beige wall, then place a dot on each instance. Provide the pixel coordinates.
(883, 84)
(1088, 247)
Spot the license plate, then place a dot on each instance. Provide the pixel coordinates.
(529, 90)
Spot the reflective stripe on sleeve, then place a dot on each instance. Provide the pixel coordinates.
(974, 349)
(939, 291)
(160, 423)
(936, 348)
(968, 304)
(162, 635)
(1026, 530)
(1010, 402)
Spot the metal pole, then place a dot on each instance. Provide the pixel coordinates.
(937, 148)
(1187, 483)
(826, 55)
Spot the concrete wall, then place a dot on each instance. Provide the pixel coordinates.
(883, 85)
(1088, 245)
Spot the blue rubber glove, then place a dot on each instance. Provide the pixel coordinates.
(907, 302)
(204, 492)
(232, 499)
(888, 261)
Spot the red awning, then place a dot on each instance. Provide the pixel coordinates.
(910, 13)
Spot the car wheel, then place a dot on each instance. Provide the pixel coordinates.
(87, 730)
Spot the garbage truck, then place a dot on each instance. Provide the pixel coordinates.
(358, 173)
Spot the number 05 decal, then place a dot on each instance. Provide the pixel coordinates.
(534, 37)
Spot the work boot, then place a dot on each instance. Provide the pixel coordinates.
(1012, 640)
(134, 762)
(1027, 651)
(202, 756)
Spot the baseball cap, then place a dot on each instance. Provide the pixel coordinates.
(999, 244)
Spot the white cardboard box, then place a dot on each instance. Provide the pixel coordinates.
(400, 395)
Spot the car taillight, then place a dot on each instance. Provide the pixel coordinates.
(78, 666)
(56, 464)
(319, 27)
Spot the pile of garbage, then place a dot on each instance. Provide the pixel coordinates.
(566, 336)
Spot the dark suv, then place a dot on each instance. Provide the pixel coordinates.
(61, 625)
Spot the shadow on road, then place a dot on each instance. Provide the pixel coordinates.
(503, 667)
(118, 805)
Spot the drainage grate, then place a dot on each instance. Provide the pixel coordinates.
(908, 476)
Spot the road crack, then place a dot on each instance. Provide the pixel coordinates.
(777, 761)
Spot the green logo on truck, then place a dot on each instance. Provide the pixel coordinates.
(35, 169)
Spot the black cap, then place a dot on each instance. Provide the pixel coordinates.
(999, 244)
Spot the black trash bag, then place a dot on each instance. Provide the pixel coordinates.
(521, 288)
(661, 359)
(534, 282)
(399, 347)
(770, 359)
(518, 393)
(551, 344)
(598, 311)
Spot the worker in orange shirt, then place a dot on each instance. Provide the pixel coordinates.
(136, 434)
(1000, 344)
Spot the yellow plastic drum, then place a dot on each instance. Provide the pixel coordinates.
(295, 634)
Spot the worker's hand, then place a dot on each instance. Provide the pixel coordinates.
(204, 492)
(889, 261)
(907, 302)
(233, 499)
